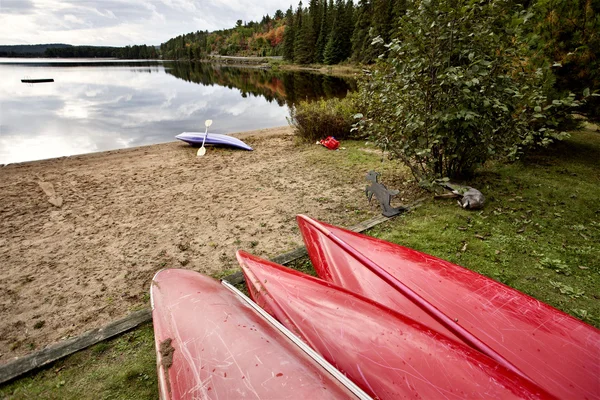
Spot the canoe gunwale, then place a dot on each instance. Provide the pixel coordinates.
(345, 381)
(418, 300)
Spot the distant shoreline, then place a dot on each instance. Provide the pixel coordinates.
(233, 61)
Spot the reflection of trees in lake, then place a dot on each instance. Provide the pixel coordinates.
(284, 87)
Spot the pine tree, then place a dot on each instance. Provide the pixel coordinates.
(361, 41)
(334, 50)
(315, 11)
(382, 19)
(303, 45)
(289, 36)
(347, 30)
(323, 33)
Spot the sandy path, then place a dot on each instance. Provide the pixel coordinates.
(128, 213)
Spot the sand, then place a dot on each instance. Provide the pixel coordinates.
(82, 236)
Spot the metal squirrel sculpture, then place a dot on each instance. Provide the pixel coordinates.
(382, 194)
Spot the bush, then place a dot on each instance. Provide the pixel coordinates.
(456, 89)
(315, 120)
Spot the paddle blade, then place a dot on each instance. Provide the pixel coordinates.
(201, 151)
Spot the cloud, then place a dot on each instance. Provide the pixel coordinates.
(16, 7)
(73, 19)
(122, 22)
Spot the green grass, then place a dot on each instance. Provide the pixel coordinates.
(539, 232)
(121, 368)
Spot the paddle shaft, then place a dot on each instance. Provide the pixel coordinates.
(205, 135)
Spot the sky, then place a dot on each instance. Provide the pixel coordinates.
(123, 22)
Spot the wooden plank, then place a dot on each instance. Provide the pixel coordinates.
(62, 349)
(67, 347)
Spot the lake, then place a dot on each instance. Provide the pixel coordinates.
(111, 104)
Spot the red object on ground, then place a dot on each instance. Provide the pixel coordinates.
(556, 351)
(330, 143)
(387, 354)
(210, 344)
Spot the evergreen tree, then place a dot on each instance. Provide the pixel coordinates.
(347, 30)
(289, 36)
(303, 50)
(315, 11)
(382, 19)
(334, 50)
(323, 33)
(360, 39)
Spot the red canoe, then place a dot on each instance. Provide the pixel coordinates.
(387, 354)
(556, 351)
(211, 343)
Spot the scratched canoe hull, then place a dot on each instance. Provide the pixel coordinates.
(210, 344)
(558, 352)
(196, 138)
(387, 354)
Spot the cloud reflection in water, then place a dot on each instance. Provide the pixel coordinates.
(98, 107)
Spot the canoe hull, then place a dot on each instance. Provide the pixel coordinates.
(387, 354)
(558, 352)
(212, 345)
(196, 138)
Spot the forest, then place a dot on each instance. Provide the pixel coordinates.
(69, 51)
(562, 33)
(331, 32)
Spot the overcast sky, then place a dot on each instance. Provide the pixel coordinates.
(123, 22)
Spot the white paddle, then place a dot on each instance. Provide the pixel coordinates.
(202, 150)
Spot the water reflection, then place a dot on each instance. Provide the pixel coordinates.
(284, 87)
(97, 106)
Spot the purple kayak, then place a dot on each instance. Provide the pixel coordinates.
(196, 138)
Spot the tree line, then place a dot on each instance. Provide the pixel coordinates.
(127, 52)
(68, 51)
(260, 39)
(332, 32)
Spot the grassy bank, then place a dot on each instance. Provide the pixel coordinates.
(121, 368)
(539, 233)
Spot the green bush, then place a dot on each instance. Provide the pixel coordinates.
(456, 90)
(315, 120)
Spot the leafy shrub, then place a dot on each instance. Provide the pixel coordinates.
(456, 89)
(315, 120)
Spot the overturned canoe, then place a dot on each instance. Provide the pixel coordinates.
(211, 343)
(196, 138)
(556, 351)
(388, 355)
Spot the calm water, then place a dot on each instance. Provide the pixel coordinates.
(96, 106)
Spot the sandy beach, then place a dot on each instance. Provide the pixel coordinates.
(82, 236)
